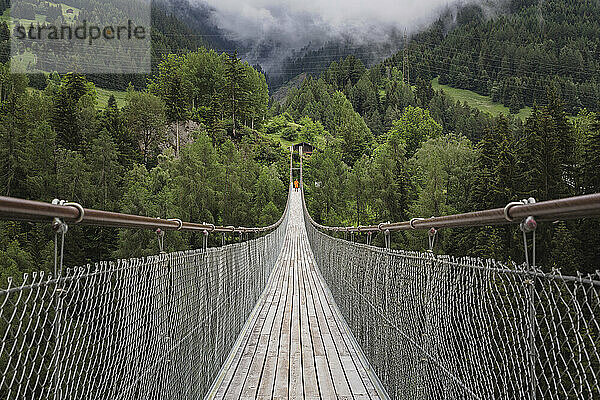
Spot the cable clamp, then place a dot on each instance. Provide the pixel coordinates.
(204, 239)
(79, 207)
(432, 237)
(180, 222)
(510, 205)
(529, 225)
(412, 222)
(160, 235)
(59, 226)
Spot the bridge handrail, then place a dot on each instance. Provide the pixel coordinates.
(552, 210)
(437, 326)
(16, 209)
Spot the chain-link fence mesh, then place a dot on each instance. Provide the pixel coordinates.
(436, 327)
(154, 328)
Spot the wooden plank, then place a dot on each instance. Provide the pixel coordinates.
(354, 379)
(282, 372)
(240, 350)
(296, 387)
(362, 379)
(255, 371)
(267, 378)
(311, 385)
(300, 346)
(340, 381)
(230, 383)
(362, 366)
(324, 378)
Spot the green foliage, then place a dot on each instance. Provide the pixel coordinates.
(388, 151)
(444, 158)
(487, 104)
(14, 262)
(349, 126)
(591, 158)
(548, 153)
(144, 115)
(268, 191)
(73, 108)
(290, 133)
(57, 143)
(556, 46)
(325, 175)
(276, 125)
(414, 127)
(443, 167)
(311, 131)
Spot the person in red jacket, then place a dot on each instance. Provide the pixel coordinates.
(296, 185)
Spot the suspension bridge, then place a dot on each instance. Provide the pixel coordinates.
(299, 312)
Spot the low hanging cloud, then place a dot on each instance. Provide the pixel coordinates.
(272, 28)
(251, 18)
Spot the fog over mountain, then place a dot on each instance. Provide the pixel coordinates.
(311, 19)
(271, 29)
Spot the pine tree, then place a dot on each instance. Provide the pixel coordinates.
(424, 92)
(70, 100)
(515, 104)
(591, 159)
(546, 160)
(113, 122)
(236, 90)
(481, 197)
(359, 189)
(169, 85)
(564, 250)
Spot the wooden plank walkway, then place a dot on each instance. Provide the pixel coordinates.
(296, 345)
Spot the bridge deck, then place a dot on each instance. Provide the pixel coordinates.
(297, 344)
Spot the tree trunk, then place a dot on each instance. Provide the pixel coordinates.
(233, 114)
(177, 135)
(234, 130)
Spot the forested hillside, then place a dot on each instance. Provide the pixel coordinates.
(313, 62)
(177, 28)
(182, 148)
(513, 57)
(403, 151)
(194, 143)
(379, 96)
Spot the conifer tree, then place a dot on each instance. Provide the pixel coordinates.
(70, 101)
(169, 85)
(591, 159)
(237, 92)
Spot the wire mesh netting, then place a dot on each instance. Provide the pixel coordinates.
(154, 328)
(436, 327)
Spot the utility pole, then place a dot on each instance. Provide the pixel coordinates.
(404, 57)
(540, 14)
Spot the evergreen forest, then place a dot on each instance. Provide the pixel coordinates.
(203, 139)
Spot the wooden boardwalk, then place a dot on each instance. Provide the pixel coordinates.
(296, 345)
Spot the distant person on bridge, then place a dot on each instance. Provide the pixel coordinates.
(296, 185)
